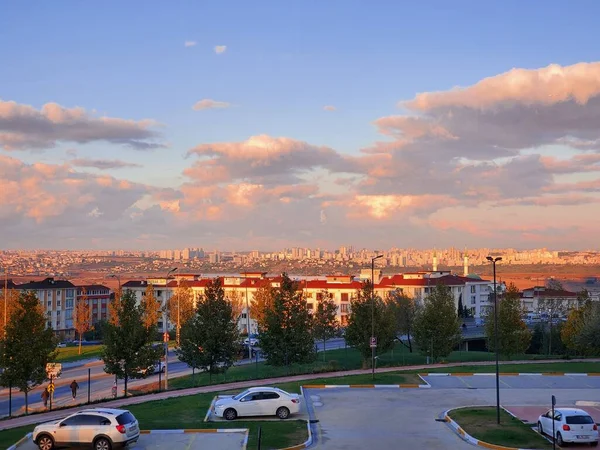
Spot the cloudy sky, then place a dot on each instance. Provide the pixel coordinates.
(260, 125)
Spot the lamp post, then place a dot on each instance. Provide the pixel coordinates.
(5, 299)
(373, 342)
(248, 317)
(165, 329)
(494, 261)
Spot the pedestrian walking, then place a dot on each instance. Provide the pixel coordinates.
(45, 397)
(74, 386)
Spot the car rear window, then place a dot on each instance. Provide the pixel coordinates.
(579, 420)
(125, 418)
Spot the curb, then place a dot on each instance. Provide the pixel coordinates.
(198, 430)
(306, 443)
(467, 437)
(21, 441)
(509, 374)
(366, 386)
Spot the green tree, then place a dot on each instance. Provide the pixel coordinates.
(403, 309)
(27, 346)
(571, 329)
(554, 284)
(325, 324)
(128, 351)
(369, 313)
(461, 309)
(209, 340)
(513, 335)
(262, 301)
(287, 334)
(436, 325)
(588, 337)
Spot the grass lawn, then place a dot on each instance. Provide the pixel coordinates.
(70, 354)
(481, 424)
(9, 437)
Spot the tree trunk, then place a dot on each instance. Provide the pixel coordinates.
(323, 350)
(80, 342)
(26, 403)
(409, 344)
(126, 378)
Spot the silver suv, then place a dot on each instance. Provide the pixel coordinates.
(98, 428)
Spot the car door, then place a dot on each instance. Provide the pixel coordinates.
(249, 405)
(88, 428)
(269, 403)
(557, 422)
(67, 431)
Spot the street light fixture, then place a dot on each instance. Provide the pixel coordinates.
(373, 343)
(165, 329)
(494, 261)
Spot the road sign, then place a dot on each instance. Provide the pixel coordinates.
(373, 342)
(165, 337)
(53, 370)
(51, 388)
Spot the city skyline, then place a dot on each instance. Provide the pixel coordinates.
(270, 126)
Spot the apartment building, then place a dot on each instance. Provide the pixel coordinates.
(98, 297)
(540, 299)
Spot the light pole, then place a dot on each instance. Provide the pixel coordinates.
(5, 299)
(494, 261)
(118, 277)
(373, 342)
(165, 329)
(248, 317)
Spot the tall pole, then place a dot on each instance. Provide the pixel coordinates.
(5, 299)
(494, 261)
(165, 328)
(372, 343)
(248, 317)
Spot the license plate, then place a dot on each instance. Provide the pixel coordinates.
(582, 437)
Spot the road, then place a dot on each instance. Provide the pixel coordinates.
(101, 383)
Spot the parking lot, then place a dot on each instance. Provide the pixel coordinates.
(406, 418)
(488, 381)
(187, 441)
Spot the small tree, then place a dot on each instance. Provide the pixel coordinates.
(287, 337)
(209, 339)
(403, 309)
(588, 337)
(128, 351)
(12, 299)
(237, 306)
(513, 335)
(571, 329)
(261, 303)
(554, 284)
(436, 325)
(325, 324)
(369, 313)
(27, 347)
(82, 321)
(461, 310)
(151, 308)
(180, 307)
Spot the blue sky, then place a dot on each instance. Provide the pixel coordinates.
(284, 62)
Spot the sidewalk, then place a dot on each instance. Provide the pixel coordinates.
(53, 415)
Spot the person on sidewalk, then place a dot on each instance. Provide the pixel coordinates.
(74, 386)
(45, 397)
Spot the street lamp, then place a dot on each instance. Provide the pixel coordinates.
(373, 343)
(248, 317)
(5, 298)
(494, 261)
(118, 277)
(165, 330)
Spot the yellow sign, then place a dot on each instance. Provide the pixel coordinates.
(51, 388)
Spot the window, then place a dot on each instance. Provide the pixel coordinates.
(58, 313)
(73, 420)
(473, 289)
(345, 297)
(344, 307)
(58, 293)
(58, 303)
(95, 301)
(125, 418)
(579, 420)
(270, 395)
(50, 295)
(49, 303)
(252, 397)
(69, 303)
(243, 315)
(310, 306)
(319, 296)
(70, 292)
(473, 300)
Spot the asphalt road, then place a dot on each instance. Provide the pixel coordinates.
(101, 383)
(547, 382)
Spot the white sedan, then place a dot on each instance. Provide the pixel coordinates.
(570, 425)
(259, 401)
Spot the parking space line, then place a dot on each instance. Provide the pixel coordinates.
(505, 383)
(465, 383)
(578, 377)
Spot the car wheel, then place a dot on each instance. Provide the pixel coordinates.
(540, 428)
(102, 444)
(559, 440)
(45, 442)
(230, 414)
(283, 412)
(594, 444)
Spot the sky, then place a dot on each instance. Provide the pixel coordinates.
(237, 125)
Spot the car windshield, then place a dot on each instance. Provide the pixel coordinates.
(240, 395)
(579, 420)
(125, 418)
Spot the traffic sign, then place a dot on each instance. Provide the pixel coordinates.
(51, 388)
(165, 337)
(373, 342)
(53, 370)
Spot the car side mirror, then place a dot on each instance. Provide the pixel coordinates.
(63, 424)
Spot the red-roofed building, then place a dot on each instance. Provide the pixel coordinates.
(539, 299)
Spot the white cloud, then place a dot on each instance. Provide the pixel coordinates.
(208, 103)
(329, 108)
(220, 49)
(189, 43)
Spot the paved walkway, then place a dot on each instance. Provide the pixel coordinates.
(44, 417)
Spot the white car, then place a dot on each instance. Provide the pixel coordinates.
(258, 401)
(252, 341)
(99, 428)
(570, 425)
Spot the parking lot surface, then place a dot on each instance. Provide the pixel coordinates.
(530, 414)
(176, 441)
(513, 382)
(405, 418)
